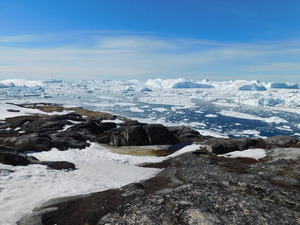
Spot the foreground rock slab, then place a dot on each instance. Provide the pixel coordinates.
(192, 189)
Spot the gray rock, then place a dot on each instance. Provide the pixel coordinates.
(35, 218)
(45, 126)
(133, 189)
(97, 127)
(222, 145)
(60, 165)
(159, 135)
(139, 135)
(70, 116)
(186, 134)
(283, 140)
(29, 142)
(15, 158)
(129, 136)
(191, 190)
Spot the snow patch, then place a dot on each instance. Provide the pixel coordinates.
(257, 154)
(98, 170)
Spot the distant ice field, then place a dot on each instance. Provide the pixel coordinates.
(228, 109)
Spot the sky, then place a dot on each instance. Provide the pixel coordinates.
(142, 39)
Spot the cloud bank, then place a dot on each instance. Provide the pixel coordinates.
(115, 55)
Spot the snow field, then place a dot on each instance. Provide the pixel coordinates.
(98, 170)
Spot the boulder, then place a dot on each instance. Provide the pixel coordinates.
(19, 121)
(140, 134)
(29, 142)
(159, 135)
(222, 145)
(186, 134)
(14, 158)
(60, 165)
(129, 136)
(97, 127)
(45, 126)
(69, 139)
(283, 140)
(36, 217)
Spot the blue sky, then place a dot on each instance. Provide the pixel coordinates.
(139, 39)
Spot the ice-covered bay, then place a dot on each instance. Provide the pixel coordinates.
(259, 106)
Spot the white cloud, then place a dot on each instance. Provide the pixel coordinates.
(116, 56)
(19, 38)
(276, 67)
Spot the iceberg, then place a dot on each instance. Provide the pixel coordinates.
(285, 86)
(176, 83)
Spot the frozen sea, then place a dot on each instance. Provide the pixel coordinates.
(227, 109)
(220, 109)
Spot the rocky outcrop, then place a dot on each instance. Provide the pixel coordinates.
(186, 134)
(38, 133)
(191, 189)
(29, 142)
(19, 159)
(142, 134)
(14, 158)
(283, 140)
(222, 145)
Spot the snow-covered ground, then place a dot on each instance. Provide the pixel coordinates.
(98, 169)
(220, 109)
(256, 153)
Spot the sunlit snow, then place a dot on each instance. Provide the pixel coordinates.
(249, 153)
